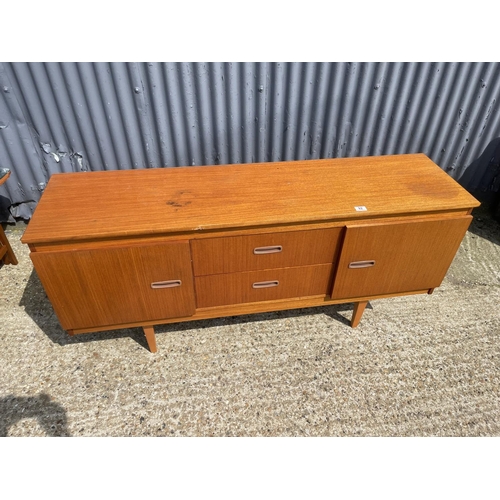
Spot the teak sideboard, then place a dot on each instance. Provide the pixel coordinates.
(116, 249)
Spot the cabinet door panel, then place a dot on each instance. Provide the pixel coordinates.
(91, 288)
(397, 257)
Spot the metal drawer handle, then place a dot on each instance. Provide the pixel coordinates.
(264, 250)
(166, 284)
(361, 263)
(265, 284)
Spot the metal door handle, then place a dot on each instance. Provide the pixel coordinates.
(264, 250)
(166, 284)
(265, 284)
(361, 263)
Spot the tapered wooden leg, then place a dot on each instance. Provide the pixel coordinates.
(359, 308)
(8, 257)
(149, 331)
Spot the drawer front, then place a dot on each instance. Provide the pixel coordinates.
(265, 251)
(258, 286)
(110, 286)
(388, 258)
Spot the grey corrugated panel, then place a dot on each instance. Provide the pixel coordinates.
(64, 117)
(277, 106)
(222, 112)
(485, 123)
(469, 106)
(17, 147)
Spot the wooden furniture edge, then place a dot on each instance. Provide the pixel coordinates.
(149, 332)
(5, 177)
(250, 308)
(6, 252)
(142, 239)
(440, 193)
(359, 308)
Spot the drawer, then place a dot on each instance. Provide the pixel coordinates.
(265, 251)
(257, 286)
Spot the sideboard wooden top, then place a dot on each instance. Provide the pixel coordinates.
(105, 204)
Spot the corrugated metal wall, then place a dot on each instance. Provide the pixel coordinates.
(66, 117)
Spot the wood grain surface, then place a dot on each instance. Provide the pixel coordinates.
(107, 204)
(236, 253)
(90, 288)
(236, 288)
(234, 231)
(6, 252)
(408, 256)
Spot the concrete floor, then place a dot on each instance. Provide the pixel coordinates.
(416, 366)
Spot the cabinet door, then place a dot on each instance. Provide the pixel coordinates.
(389, 258)
(112, 286)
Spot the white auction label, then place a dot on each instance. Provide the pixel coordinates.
(360, 209)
